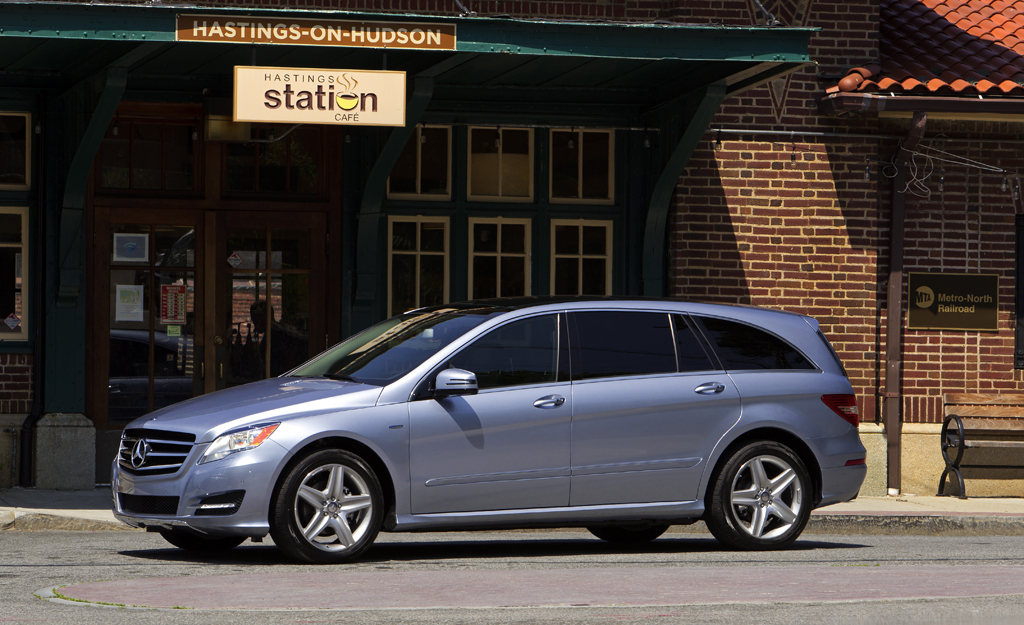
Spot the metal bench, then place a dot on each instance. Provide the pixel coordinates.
(981, 433)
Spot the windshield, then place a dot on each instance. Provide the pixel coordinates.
(385, 352)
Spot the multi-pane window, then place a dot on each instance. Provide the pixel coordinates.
(417, 263)
(13, 278)
(581, 257)
(149, 155)
(423, 170)
(499, 252)
(582, 166)
(501, 164)
(278, 161)
(15, 151)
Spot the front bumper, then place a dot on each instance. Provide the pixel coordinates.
(254, 471)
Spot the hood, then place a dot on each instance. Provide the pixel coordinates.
(277, 399)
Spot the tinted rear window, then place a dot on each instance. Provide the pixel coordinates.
(740, 346)
(615, 344)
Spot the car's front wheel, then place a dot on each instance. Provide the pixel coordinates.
(201, 544)
(761, 499)
(328, 508)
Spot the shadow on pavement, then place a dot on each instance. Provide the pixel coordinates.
(406, 550)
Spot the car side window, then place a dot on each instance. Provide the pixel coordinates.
(518, 353)
(689, 349)
(741, 347)
(620, 343)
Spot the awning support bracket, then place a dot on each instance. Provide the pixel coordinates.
(655, 237)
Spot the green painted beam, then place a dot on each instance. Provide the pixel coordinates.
(72, 231)
(655, 232)
(639, 40)
(367, 306)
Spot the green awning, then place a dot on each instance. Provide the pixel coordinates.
(594, 71)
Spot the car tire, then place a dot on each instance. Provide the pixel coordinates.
(328, 509)
(760, 499)
(198, 543)
(627, 534)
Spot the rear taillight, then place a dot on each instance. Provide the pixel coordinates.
(843, 405)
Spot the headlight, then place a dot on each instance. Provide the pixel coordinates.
(228, 444)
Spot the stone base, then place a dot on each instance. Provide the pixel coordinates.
(873, 438)
(10, 439)
(64, 453)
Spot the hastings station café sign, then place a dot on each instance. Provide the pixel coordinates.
(317, 96)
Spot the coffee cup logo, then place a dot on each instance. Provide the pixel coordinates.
(924, 297)
(348, 99)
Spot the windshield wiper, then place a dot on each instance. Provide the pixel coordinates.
(340, 376)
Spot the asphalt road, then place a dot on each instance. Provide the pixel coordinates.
(544, 575)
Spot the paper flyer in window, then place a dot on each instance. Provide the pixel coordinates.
(129, 303)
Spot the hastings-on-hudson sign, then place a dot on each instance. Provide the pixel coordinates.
(319, 96)
(314, 32)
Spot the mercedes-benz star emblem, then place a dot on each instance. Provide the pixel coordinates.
(139, 453)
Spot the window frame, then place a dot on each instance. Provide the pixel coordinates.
(527, 223)
(609, 226)
(531, 155)
(418, 219)
(322, 183)
(124, 123)
(579, 199)
(28, 152)
(23, 332)
(419, 195)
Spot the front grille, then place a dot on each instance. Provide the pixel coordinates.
(166, 451)
(148, 504)
(221, 505)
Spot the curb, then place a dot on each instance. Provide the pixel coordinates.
(44, 522)
(915, 525)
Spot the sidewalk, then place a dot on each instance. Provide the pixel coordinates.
(32, 510)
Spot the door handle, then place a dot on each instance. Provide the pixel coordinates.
(709, 388)
(549, 401)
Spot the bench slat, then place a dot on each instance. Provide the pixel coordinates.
(986, 411)
(984, 399)
(1012, 426)
(1014, 444)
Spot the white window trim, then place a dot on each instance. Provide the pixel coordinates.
(609, 229)
(579, 169)
(469, 167)
(418, 219)
(22, 333)
(428, 197)
(28, 153)
(528, 253)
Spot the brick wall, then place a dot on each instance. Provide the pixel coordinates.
(15, 383)
(962, 221)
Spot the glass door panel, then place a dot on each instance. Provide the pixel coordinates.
(151, 351)
(269, 326)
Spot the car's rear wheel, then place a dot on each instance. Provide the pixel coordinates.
(190, 541)
(761, 499)
(627, 534)
(328, 509)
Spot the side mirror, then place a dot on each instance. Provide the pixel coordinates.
(451, 382)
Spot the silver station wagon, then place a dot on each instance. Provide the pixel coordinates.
(620, 416)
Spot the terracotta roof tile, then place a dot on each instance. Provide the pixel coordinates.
(947, 47)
